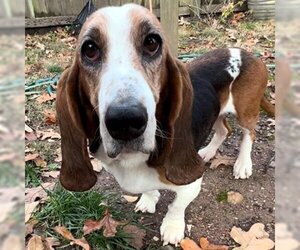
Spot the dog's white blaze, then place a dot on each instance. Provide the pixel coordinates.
(243, 165)
(120, 79)
(235, 62)
(233, 70)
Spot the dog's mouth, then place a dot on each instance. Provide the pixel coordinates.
(127, 147)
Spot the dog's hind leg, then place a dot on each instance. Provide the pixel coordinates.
(243, 166)
(222, 130)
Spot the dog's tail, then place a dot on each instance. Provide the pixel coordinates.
(267, 106)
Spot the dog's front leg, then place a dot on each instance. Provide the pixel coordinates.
(173, 225)
(147, 202)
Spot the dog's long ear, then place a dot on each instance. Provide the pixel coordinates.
(77, 123)
(176, 152)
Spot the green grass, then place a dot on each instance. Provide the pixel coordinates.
(55, 68)
(222, 196)
(32, 175)
(70, 209)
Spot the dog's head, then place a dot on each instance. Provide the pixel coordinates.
(126, 91)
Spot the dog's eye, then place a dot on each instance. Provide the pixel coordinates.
(151, 44)
(91, 51)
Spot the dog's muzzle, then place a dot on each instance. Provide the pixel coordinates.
(126, 121)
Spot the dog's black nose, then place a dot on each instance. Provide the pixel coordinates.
(126, 121)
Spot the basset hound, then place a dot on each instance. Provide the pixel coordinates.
(145, 115)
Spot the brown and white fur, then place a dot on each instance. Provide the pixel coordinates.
(145, 115)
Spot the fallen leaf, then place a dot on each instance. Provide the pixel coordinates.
(255, 239)
(39, 162)
(234, 197)
(97, 166)
(222, 160)
(64, 232)
(35, 243)
(53, 174)
(29, 226)
(30, 136)
(49, 133)
(29, 209)
(68, 235)
(108, 224)
(188, 244)
(38, 193)
(206, 245)
(50, 116)
(138, 236)
(44, 97)
(130, 199)
(28, 129)
(51, 243)
(31, 157)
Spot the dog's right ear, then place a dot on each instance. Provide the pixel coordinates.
(77, 123)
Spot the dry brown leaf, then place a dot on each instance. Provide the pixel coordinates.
(188, 244)
(39, 162)
(35, 243)
(68, 235)
(234, 197)
(64, 232)
(50, 116)
(44, 97)
(97, 166)
(12, 242)
(108, 224)
(49, 133)
(255, 239)
(130, 198)
(138, 235)
(28, 129)
(83, 243)
(30, 136)
(222, 160)
(51, 243)
(53, 174)
(206, 245)
(38, 193)
(31, 157)
(29, 226)
(29, 209)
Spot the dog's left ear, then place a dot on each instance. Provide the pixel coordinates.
(176, 152)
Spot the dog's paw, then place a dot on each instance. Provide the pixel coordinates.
(147, 202)
(242, 168)
(207, 153)
(172, 230)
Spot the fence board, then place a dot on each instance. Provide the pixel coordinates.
(169, 21)
(115, 2)
(101, 3)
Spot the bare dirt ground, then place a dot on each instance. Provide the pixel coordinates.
(209, 214)
(214, 219)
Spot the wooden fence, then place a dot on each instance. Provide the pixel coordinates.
(47, 8)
